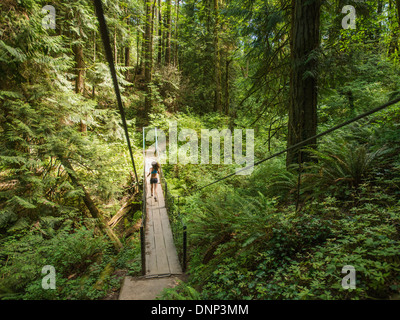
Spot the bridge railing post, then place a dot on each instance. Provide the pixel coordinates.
(184, 257)
(143, 248)
(166, 195)
(143, 224)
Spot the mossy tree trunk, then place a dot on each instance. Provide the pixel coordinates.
(94, 211)
(305, 41)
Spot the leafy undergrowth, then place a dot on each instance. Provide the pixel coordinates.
(86, 264)
(249, 241)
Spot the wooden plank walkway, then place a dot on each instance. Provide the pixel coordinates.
(161, 256)
(162, 264)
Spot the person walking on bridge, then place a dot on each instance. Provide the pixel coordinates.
(154, 170)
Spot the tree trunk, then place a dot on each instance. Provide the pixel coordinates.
(94, 62)
(395, 37)
(160, 34)
(153, 9)
(80, 69)
(164, 35)
(127, 54)
(398, 10)
(379, 12)
(138, 36)
(115, 47)
(91, 205)
(127, 62)
(168, 36)
(80, 79)
(126, 207)
(148, 56)
(227, 99)
(176, 34)
(217, 60)
(305, 40)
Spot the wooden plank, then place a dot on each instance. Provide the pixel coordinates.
(162, 260)
(151, 258)
(160, 196)
(173, 260)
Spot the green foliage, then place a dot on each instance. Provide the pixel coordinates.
(304, 257)
(277, 234)
(247, 241)
(130, 258)
(344, 162)
(43, 220)
(70, 253)
(182, 291)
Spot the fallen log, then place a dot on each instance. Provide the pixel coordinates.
(126, 207)
(91, 205)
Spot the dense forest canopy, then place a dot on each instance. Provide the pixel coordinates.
(286, 69)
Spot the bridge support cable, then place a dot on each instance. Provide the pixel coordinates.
(107, 48)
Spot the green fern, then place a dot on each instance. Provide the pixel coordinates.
(182, 291)
(346, 163)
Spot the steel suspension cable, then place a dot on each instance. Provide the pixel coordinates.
(107, 47)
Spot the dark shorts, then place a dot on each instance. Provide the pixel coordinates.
(153, 180)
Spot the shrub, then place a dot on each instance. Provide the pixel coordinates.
(74, 256)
